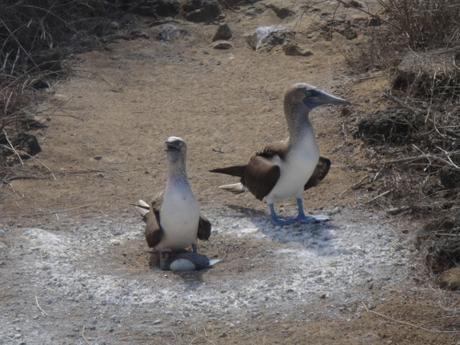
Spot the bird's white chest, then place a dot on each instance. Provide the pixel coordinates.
(296, 170)
(179, 217)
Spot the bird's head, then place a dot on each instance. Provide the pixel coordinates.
(176, 148)
(303, 96)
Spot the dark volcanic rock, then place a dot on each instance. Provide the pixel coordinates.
(267, 37)
(28, 143)
(221, 45)
(161, 8)
(445, 249)
(349, 33)
(170, 32)
(231, 3)
(450, 177)
(201, 10)
(23, 143)
(223, 33)
(281, 12)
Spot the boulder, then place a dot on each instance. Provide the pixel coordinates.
(427, 74)
(223, 33)
(267, 37)
(201, 10)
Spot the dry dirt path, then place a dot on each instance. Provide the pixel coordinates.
(73, 264)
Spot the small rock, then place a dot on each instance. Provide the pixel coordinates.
(349, 33)
(115, 242)
(335, 210)
(114, 25)
(292, 49)
(267, 37)
(281, 12)
(169, 32)
(2, 232)
(221, 45)
(157, 322)
(223, 33)
(26, 142)
(450, 279)
(374, 21)
(201, 10)
(353, 3)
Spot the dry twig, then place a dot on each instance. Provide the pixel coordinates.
(406, 323)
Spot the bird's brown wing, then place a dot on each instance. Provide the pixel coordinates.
(204, 228)
(260, 176)
(279, 148)
(153, 231)
(321, 170)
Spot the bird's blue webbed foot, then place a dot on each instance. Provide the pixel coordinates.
(304, 219)
(277, 220)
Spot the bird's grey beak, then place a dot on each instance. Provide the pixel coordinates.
(326, 98)
(172, 146)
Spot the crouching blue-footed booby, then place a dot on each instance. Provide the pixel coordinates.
(285, 169)
(173, 219)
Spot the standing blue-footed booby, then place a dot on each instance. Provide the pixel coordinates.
(173, 220)
(285, 169)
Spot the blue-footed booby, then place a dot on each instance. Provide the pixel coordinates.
(173, 219)
(286, 168)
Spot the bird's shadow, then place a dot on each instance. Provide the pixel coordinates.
(316, 237)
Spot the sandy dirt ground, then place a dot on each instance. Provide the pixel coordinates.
(74, 266)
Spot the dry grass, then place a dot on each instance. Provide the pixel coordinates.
(424, 24)
(419, 46)
(35, 36)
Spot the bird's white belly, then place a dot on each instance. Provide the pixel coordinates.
(179, 217)
(296, 170)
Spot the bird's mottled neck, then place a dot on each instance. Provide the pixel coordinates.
(298, 123)
(177, 172)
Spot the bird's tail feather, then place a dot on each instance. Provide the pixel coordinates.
(142, 207)
(235, 188)
(236, 170)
